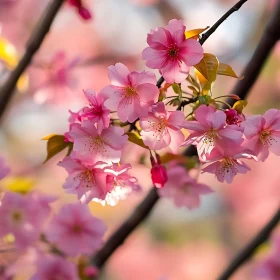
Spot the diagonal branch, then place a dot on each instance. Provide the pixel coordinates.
(248, 251)
(33, 45)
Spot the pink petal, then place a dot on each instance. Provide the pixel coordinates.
(113, 96)
(177, 138)
(271, 117)
(139, 78)
(173, 72)
(128, 108)
(118, 75)
(174, 25)
(159, 39)
(156, 59)
(201, 112)
(114, 137)
(154, 143)
(216, 120)
(191, 52)
(195, 126)
(176, 120)
(147, 93)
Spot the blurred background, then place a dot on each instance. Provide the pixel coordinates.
(173, 244)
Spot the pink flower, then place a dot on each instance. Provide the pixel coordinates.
(120, 183)
(171, 53)
(19, 215)
(83, 12)
(182, 189)
(130, 93)
(59, 80)
(263, 134)
(210, 130)
(87, 181)
(226, 164)
(233, 117)
(92, 145)
(96, 110)
(162, 128)
(270, 268)
(75, 231)
(4, 170)
(55, 267)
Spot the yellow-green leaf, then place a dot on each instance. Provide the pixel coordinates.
(240, 105)
(226, 70)
(193, 34)
(56, 144)
(136, 139)
(208, 67)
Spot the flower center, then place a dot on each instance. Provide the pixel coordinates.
(266, 138)
(210, 137)
(130, 91)
(17, 216)
(228, 165)
(173, 52)
(86, 177)
(77, 229)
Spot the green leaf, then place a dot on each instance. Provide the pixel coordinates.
(56, 144)
(208, 67)
(226, 70)
(240, 105)
(176, 88)
(136, 139)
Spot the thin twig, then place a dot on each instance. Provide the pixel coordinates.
(140, 213)
(248, 251)
(210, 31)
(33, 45)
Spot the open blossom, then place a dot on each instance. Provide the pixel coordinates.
(59, 80)
(55, 267)
(82, 10)
(162, 128)
(263, 133)
(4, 170)
(183, 189)
(120, 183)
(96, 110)
(171, 53)
(87, 181)
(92, 145)
(19, 216)
(130, 93)
(210, 130)
(226, 164)
(75, 231)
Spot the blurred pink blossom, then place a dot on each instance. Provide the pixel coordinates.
(19, 216)
(75, 231)
(55, 267)
(183, 189)
(82, 11)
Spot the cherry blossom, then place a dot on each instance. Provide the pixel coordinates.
(130, 93)
(120, 183)
(183, 189)
(96, 110)
(19, 216)
(55, 267)
(161, 128)
(92, 145)
(75, 231)
(59, 80)
(4, 170)
(87, 181)
(263, 133)
(210, 130)
(83, 12)
(171, 53)
(226, 164)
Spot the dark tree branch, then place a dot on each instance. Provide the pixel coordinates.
(248, 251)
(210, 31)
(33, 45)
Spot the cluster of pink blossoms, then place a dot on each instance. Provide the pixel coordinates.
(223, 141)
(94, 166)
